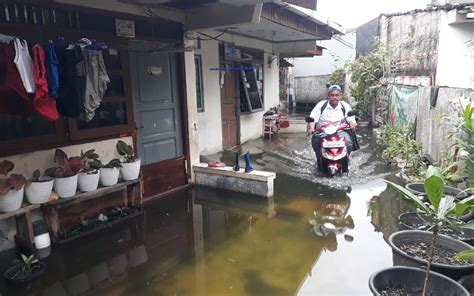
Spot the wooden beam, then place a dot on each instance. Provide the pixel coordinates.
(280, 15)
(310, 4)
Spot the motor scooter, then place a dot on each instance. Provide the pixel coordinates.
(335, 155)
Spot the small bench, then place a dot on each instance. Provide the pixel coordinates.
(256, 182)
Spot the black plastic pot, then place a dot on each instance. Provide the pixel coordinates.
(401, 258)
(407, 221)
(419, 189)
(38, 270)
(412, 280)
(468, 283)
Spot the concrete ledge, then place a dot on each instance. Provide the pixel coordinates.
(256, 182)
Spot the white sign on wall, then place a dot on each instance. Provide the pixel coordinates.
(125, 28)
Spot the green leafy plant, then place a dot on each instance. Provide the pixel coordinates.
(366, 72)
(27, 265)
(67, 167)
(400, 147)
(442, 209)
(90, 161)
(126, 151)
(14, 181)
(114, 163)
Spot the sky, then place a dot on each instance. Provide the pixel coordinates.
(353, 13)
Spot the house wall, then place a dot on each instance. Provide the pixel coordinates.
(209, 129)
(311, 89)
(338, 51)
(413, 40)
(455, 58)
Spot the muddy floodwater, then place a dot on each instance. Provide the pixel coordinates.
(317, 236)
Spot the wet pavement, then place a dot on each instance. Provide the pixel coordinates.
(317, 236)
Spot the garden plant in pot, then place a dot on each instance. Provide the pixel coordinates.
(131, 165)
(65, 174)
(109, 173)
(38, 188)
(429, 248)
(88, 178)
(25, 270)
(11, 188)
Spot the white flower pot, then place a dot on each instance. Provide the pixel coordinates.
(88, 182)
(39, 192)
(109, 176)
(65, 187)
(12, 200)
(130, 171)
(42, 241)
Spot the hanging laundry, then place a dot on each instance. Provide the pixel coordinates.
(24, 64)
(43, 102)
(97, 81)
(69, 102)
(51, 63)
(6, 38)
(13, 97)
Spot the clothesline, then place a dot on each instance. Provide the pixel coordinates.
(67, 78)
(233, 69)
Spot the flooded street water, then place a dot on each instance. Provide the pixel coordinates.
(317, 236)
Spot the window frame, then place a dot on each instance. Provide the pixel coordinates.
(67, 132)
(198, 64)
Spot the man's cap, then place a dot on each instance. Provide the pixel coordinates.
(334, 87)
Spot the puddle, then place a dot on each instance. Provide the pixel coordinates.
(310, 239)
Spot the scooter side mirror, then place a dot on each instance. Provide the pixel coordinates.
(353, 113)
(309, 119)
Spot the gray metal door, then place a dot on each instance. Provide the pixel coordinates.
(156, 104)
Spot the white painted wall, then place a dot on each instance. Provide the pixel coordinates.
(455, 58)
(42, 159)
(210, 120)
(334, 56)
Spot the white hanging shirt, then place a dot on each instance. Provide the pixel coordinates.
(24, 64)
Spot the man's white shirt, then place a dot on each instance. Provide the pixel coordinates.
(330, 114)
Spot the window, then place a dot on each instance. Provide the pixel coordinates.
(251, 88)
(199, 88)
(114, 113)
(113, 117)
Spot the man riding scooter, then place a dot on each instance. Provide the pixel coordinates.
(328, 112)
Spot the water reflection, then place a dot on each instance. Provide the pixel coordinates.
(213, 242)
(331, 220)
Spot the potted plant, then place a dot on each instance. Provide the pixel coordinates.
(429, 248)
(38, 188)
(88, 177)
(11, 188)
(403, 280)
(131, 165)
(109, 173)
(65, 174)
(25, 270)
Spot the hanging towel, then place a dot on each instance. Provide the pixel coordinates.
(43, 102)
(24, 64)
(6, 38)
(96, 81)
